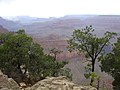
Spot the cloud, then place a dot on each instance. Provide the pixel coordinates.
(57, 8)
(6, 1)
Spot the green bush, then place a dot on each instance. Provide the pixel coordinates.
(24, 61)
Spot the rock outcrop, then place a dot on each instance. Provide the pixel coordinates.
(3, 30)
(50, 83)
(58, 83)
(7, 83)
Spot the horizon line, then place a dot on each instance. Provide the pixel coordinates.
(60, 16)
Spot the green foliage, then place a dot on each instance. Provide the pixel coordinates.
(110, 63)
(55, 52)
(66, 72)
(21, 31)
(14, 53)
(86, 41)
(91, 75)
(88, 71)
(24, 61)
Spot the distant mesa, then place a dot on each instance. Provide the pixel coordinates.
(63, 26)
(9, 25)
(2, 29)
(27, 20)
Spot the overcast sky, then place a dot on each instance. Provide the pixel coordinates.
(58, 8)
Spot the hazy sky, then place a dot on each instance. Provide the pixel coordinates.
(57, 8)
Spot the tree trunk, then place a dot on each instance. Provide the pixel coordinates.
(25, 70)
(55, 58)
(93, 68)
(93, 65)
(98, 84)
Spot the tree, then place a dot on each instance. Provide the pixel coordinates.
(64, 71)
(14, 53)
(55, 52)
(110, 63)
(86, 41)
(24, 61)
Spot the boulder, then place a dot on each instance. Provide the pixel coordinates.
(50, 83)
(7, 83)
(58, 83)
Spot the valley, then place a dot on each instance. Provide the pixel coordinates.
(54, 33)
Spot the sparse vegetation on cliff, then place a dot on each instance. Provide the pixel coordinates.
(24, 61)
(84, 40)
(110, 63)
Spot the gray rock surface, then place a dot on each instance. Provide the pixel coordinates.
(7, 83)
(50, 83)
(58, 83)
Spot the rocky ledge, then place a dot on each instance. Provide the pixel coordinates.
(50, 83)
(7, 83)
(58, 83)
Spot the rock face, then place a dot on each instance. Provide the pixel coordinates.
(2, 29)
(51, 83)
(7, 83)
(58, 83)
